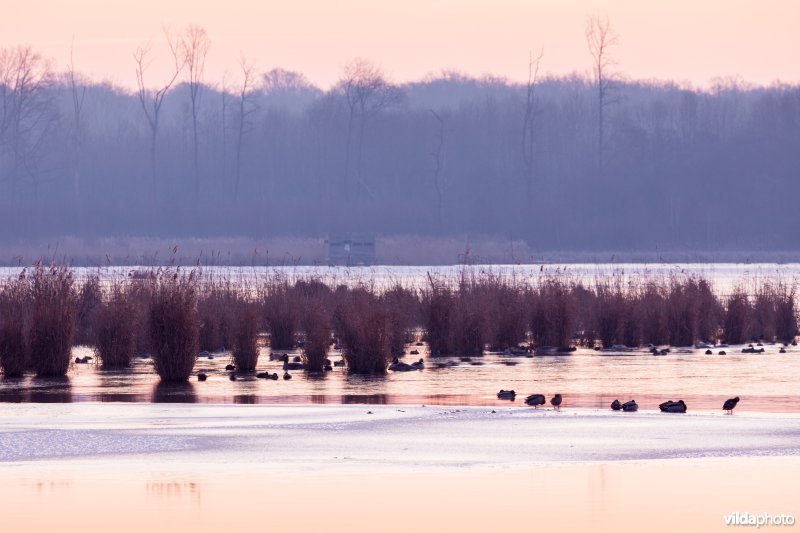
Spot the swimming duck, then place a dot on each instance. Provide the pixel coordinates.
(630, 406)
(287, 376)
(506, 394)
(202, 376)
(615, 405)
(419, 364)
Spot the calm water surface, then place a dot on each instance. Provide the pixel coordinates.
(765, 382)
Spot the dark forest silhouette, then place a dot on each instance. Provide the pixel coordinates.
(584, 162)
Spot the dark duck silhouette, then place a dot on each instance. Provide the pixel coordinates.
(555, 401)
(615, 405)
(294, 365)
(672, 407)
(535, 400)
(730, 405)
(630, 406)
(398, 366)
(506, 394)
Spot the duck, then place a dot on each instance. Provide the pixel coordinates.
(274, 376)
(673, 407)
(293, 365)
(287, 376)
(730, 405)
(723, 352)
(555, 401)
(202, 376)
(615, 405)
(535, 400)
(262, 375)
(782, 350)
(709, 352)
(630, 406)
(506, 394)
(229, 368)
(397, 366)
(414, 352)
(419, 364)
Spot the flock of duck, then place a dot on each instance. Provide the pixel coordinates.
(535, 400)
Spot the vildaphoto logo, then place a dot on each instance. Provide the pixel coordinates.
(758, 520)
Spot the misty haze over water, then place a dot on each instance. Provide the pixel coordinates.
(647, 167)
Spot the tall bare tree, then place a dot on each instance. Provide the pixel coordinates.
(246, 108)
(78, 92)
(438, 162)
(367, 92)
(194, 45)
(152, 100)
(601, 39)
(529, 123)
(26, 111)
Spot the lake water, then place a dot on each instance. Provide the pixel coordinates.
(765, 382)
(586, 378)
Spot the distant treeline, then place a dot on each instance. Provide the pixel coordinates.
(271, 154)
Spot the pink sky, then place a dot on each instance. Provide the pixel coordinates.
(683, 40)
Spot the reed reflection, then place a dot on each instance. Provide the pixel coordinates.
(165, 392)
(50, 390)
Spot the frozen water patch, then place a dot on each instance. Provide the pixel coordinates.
(313, 437)
(50, 443)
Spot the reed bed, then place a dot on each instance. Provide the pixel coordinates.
(174, 323)
(115, 324)
(172, 315)
(362, 325)
(15, 301)
(52, 325)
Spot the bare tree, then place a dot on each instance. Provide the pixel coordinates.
(152, 100)
(367, 92)
(194, 45)
(601, 38)
(78, 93)
(529, 123)
(27, 110)
(246, 108)
(224, 126)
(438, 158)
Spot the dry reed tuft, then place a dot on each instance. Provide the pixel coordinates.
(281, 312)
(14, 308)
(115, 326)
(315, 301)
(52, 326)
(736, 322)
(362, 327)
(438, 304)
(173, 323)
(246, 322)
(90, 298)
(554, 312)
